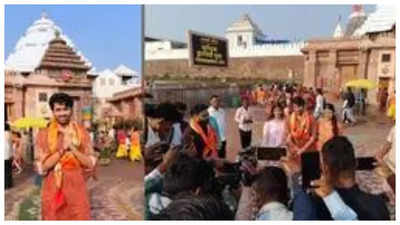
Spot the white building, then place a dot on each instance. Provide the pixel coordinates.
(129, 76)
(30, 48)
(245, 39)
(108, 82)
(243, 33)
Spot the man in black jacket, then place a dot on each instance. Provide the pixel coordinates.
(338, 168)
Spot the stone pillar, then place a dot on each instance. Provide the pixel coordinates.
(18, 106)
(363, 62)
(309, 70)
(332, 80)
(125, 108)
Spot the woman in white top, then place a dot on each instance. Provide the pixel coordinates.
(275, 129)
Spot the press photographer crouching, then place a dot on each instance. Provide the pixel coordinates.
(177, 178)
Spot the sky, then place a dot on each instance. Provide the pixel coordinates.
(108, 35)
(292, 22)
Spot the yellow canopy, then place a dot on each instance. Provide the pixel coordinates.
(29, 122)
(361, 83)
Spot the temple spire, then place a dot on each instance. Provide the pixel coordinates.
(338, 33)
(44, 15)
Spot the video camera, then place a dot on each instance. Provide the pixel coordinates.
(233, 174)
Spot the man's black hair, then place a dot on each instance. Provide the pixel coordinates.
(349, 89)
(62, 99)
(338, 155)
(299, 101)
(198, 109)
(181, 106)
(186, 175)
(168, 112)
(152, 111)
(194, 207)
(271, 184)
(213, 96)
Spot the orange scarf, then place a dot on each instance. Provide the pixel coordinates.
(300, 126)
(210, 139)
(68, 160)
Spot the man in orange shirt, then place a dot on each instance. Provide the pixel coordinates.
(302, 129)
(64, 154)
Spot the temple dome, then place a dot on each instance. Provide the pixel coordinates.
(383, 19)
(31, 47)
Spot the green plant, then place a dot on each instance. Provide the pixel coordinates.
(105, 153)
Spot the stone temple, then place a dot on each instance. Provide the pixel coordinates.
(364, 50)
(45, 61)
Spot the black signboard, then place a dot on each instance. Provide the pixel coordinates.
(207, 50)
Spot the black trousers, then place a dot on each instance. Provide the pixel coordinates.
(222, 150)
(8, 174)
(245, 138)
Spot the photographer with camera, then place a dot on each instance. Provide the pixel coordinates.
(159, 133)
(271, 193)
(177, 176)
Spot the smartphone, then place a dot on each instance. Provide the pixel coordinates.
(271, 153)
(366, 163)
(310, 168)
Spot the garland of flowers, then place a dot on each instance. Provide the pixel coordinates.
(299, 125)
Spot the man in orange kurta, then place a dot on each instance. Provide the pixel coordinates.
(64, 153)
(302, 129)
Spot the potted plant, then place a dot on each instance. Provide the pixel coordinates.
(106, 153)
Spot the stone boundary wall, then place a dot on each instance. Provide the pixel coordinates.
(268, 68)
(166, 52)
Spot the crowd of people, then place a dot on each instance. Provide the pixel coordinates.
(187, 175)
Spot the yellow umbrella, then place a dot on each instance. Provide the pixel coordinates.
(361, 83)
(30, 122)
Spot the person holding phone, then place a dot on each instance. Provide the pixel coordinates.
(338, 169)
(244, 120)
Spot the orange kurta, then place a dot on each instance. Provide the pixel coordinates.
(76, 199)
(300, 128)
(325, 133)
(135, 152)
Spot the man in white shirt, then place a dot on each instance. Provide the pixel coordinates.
(319, 106)
(244, 119)
(218, 114)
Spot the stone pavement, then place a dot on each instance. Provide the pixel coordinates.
(117, 195)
